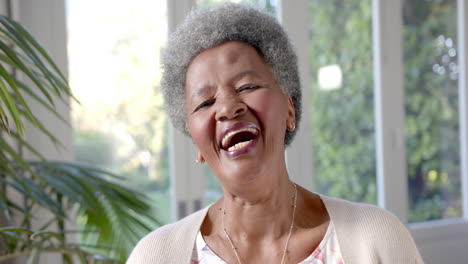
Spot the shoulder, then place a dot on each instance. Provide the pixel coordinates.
(358, 214)
(368, 232)
(171, 243)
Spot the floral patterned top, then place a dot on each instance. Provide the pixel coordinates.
(327, 252)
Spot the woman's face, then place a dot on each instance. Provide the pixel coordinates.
(237, 114)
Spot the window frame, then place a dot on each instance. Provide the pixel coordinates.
(462, 27)
(299, 153)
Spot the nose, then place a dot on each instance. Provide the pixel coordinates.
(230, 107)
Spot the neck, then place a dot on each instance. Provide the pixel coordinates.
(262, 215)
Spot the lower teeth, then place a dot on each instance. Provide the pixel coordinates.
(239, 145)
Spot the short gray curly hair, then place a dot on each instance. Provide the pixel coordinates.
(207, 28)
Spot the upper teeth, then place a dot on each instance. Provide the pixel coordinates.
(229, 135)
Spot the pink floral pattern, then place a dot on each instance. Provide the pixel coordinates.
(327, 252)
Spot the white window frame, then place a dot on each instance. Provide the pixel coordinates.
(187, 177)
(389, 107)
(299, 153)
(462, 26)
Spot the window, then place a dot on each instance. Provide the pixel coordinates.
(431, 104)
(340, 55)
(114, 50)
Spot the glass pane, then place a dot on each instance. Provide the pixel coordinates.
(431, 102)
(212, 185)
(120, 125)
(340, 53)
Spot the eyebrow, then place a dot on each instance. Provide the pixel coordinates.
(241, 74)
(207, 88)
(202, 90)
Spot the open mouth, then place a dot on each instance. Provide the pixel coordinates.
(238, 139)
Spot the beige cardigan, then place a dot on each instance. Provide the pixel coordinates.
(366, 234)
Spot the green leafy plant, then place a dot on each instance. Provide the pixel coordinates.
(110, 217)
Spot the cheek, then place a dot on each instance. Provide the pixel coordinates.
(200, 129)
(270, 107)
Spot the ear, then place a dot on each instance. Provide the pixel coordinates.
(291, 120)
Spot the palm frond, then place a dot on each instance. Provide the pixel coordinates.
(119, 213)
(21, 52)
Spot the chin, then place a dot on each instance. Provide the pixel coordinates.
(242, 172)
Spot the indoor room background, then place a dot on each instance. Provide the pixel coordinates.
(385, 102)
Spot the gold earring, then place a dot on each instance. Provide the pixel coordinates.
(200, 159)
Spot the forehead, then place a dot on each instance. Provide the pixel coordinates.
(228, 53)
(224, 61)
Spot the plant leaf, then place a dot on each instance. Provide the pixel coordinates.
(35, 256)
(16, 230)
(122, 216)
(4, 120)
(10, 105)
(21, 66)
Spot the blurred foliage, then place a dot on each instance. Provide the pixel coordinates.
(100, 149)
(40, 198)
(343, 119)
(432, 116)
(94, 148)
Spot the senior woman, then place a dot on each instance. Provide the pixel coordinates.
(231, 83)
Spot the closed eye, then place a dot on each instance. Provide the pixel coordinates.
(203, 105)
(247, 87)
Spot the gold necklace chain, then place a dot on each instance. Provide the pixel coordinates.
(289, 235)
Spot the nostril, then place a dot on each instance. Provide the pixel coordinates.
(230, 109)
(240, 111)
